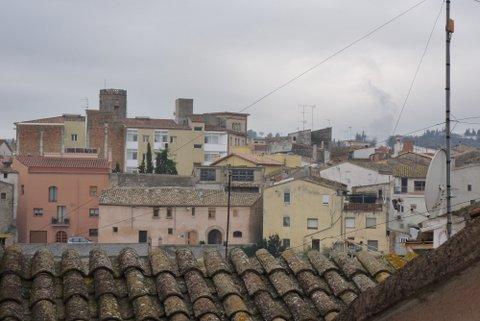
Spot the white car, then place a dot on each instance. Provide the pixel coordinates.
(78, 239)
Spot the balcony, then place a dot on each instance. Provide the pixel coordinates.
(57, 222)
(363, 207)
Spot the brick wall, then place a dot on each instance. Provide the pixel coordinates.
(29, 139)
(96, 121)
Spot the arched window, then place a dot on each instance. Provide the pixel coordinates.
(237, 234)
(214, 237)
(52, 194)
(61, 237)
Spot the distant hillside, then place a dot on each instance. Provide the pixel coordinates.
(436, 139)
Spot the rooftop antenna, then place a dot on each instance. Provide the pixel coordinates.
(312, 107)
(87, 102)
(329, 123)
(105, 83)
(303, 121)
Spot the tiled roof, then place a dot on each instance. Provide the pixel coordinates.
(172, 196)
(129, 287)
(424, 274)
(153, 123)
(255, 159)
(63, 162)
(468, 158)
(49, 120)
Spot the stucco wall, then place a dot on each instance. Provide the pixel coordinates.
(353, 175)
(131, 220)
(306, 202)
(73, 192)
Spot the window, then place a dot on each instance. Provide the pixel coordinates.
(469, 187)
(286, 221)
(372, 245)
(156, 212)
(38, 212)
(403, 239)
(371, 222)
(93, 190)
(173, 139)
(211, 139)
(193, 211)
(197, 145)
(3, 196)
(169, 212)
(161, 137)
(419, 186)
(93, 212)
(380, 194)
(142, 236)
(131, 154)
(350, 222)
(404, 185)
(52, 194)
(146, 138)
(61, 213)
(237, 234)
(5, 175)
(198, 128)
(312, 223)
(286, 197)
(115, 229)
(286, 243)
(170, 231)
(211, 213)
(23, 189)
(316, 244)
(242, 175)
(74, 137)
(93, 232)
(61, 237)
(207, 174)
(235, 212)
(325, 199)
(131, 135)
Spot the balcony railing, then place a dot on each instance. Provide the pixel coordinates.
(60, 221)
(71, 150)
(363, 207)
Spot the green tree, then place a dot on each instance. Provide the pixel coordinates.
(149, 168)
(164, 165)
(273, 245)
(142, 168)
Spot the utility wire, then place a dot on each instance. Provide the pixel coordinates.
(412, 83)
(339, 51)
(336, 53)
(378, 224)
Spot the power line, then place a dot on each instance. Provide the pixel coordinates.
(378, 224)
(339, 51)
(336, 53)
(412, 83)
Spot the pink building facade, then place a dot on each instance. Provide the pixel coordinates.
(165, 216)
(58, 197)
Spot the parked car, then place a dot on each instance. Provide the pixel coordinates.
(78, 239)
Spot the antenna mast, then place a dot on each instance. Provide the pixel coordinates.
(449, 29)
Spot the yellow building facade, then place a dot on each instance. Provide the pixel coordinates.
(305, 213)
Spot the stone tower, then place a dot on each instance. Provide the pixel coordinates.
(183, 110)
(114, 100)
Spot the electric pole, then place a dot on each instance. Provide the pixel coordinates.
(228, 211)
(449, 29)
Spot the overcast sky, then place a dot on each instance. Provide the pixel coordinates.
(226, 54)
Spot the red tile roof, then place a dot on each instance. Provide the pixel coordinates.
(153, 123)
(257, 160)
(64, 162)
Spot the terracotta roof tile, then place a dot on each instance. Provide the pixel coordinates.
(181, 287)
(64, 162)
(172, 196)
(153, 123)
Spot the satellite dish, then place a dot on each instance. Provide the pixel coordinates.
(435, 185)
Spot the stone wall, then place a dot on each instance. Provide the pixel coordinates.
(6, 207)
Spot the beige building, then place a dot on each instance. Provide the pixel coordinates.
(184, 143)
(169, 215)
(305, 212)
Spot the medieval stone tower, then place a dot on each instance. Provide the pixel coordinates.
(114, 100)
